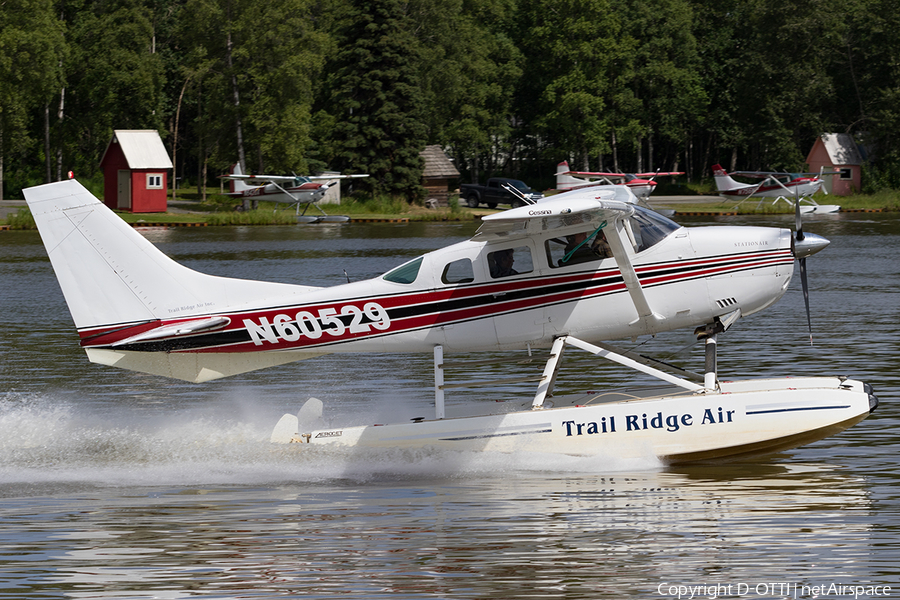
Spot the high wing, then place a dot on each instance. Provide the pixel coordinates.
(260, 179)
(329, 177)
(659, 174)
(781, 174)
(581, 207)
(264, 179)
(622, 175)
(596, 174)
(767, 174)
(564, 210)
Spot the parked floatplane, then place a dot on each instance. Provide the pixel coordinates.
(573, 270)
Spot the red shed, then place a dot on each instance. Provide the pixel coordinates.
(837, 152)
(136, 171)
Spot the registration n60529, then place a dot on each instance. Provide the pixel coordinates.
(333, 321)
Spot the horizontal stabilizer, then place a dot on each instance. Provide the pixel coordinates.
(285, 430)
(310, 415)
(182, 328)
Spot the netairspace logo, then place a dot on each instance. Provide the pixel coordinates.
(782, 589)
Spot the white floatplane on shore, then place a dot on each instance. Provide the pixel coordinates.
(577, 269)
(786, 187)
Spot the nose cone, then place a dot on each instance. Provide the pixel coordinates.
(809, 245)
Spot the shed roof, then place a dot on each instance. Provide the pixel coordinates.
(841, 149)
(143, 149)
(437, 165)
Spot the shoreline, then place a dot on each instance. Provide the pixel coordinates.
(180, 215)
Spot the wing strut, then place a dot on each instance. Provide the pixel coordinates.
(616, 236)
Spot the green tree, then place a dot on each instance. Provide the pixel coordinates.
(32, 46)
(248, 89)
(717, 24)
(867, 103)
(469, 68)
(115, 77)
(782, 77)
(207, 112)
(375, 99)
(283, 63)
(666, 78)
(579, 61)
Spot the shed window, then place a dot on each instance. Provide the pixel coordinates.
(846, 174)
(154, 181)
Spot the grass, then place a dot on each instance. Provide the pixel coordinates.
(219, 210)
(885, 200)
(22, 219)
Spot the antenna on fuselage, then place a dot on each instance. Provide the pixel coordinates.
(517, 193)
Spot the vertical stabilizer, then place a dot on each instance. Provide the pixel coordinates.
(723, 181)
(564, 181)
(111, 275)
(237, 185)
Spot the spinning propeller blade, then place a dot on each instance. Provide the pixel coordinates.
(803, 281)
(805, 245)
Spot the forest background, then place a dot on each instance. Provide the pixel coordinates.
(507, 87)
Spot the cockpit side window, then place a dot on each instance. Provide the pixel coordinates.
(405, 273)
(510, 261)
(577, 248)
(458, 271)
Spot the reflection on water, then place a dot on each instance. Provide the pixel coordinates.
(533, 533)
(123, 485)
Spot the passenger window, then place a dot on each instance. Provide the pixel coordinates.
(459, 271)
(577, 248)
(510, 261)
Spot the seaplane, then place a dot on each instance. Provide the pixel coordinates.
(575, 271)
(787, 187)
(294, 190)
(641, 184)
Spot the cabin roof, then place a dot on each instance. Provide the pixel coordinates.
(143, 149)
(437, 164)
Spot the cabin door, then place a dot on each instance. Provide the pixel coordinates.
(123, 198)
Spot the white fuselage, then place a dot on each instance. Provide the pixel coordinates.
(642, 274)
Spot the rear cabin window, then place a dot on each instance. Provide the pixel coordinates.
(458, 271)
(582, 247)
(405, 273)
(510, 261)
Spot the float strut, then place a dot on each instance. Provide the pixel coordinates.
(438, 382)
(710, 381)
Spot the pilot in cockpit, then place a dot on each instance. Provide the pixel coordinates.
(579, 249)
(501, 263)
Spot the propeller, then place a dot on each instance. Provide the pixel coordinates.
(805, 245)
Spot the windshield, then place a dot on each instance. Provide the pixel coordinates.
(651, 228)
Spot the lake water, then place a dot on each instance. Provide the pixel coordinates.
(121, 485)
